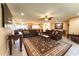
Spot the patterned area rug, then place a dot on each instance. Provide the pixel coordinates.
(37, 46)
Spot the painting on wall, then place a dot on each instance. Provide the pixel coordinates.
(58, 25)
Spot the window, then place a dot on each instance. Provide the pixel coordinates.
(46, 26)
(35, 27)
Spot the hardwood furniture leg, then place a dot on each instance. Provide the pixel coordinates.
(10, 46)
(20, 43)
(14, 41)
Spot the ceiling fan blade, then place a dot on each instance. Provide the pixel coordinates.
(42, 18)
(50, 18)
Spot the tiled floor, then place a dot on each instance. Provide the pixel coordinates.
(16, 50)
(73, 51)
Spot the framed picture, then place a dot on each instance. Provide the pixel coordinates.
(58, 25)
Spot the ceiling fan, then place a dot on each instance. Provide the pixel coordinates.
(46, 17)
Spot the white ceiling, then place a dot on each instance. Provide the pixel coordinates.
(32, 10)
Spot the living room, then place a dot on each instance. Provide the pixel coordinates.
(39, 29)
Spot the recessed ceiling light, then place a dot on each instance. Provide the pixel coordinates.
(22, 14)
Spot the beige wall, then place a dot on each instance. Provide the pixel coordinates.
(3, 47)
(74, 26)
(65, 26)
(0, 16)
(3, 41)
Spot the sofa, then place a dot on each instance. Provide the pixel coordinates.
(54, 34)
(29, 33)
(75, 38)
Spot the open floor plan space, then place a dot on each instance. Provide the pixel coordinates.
(39, 29)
